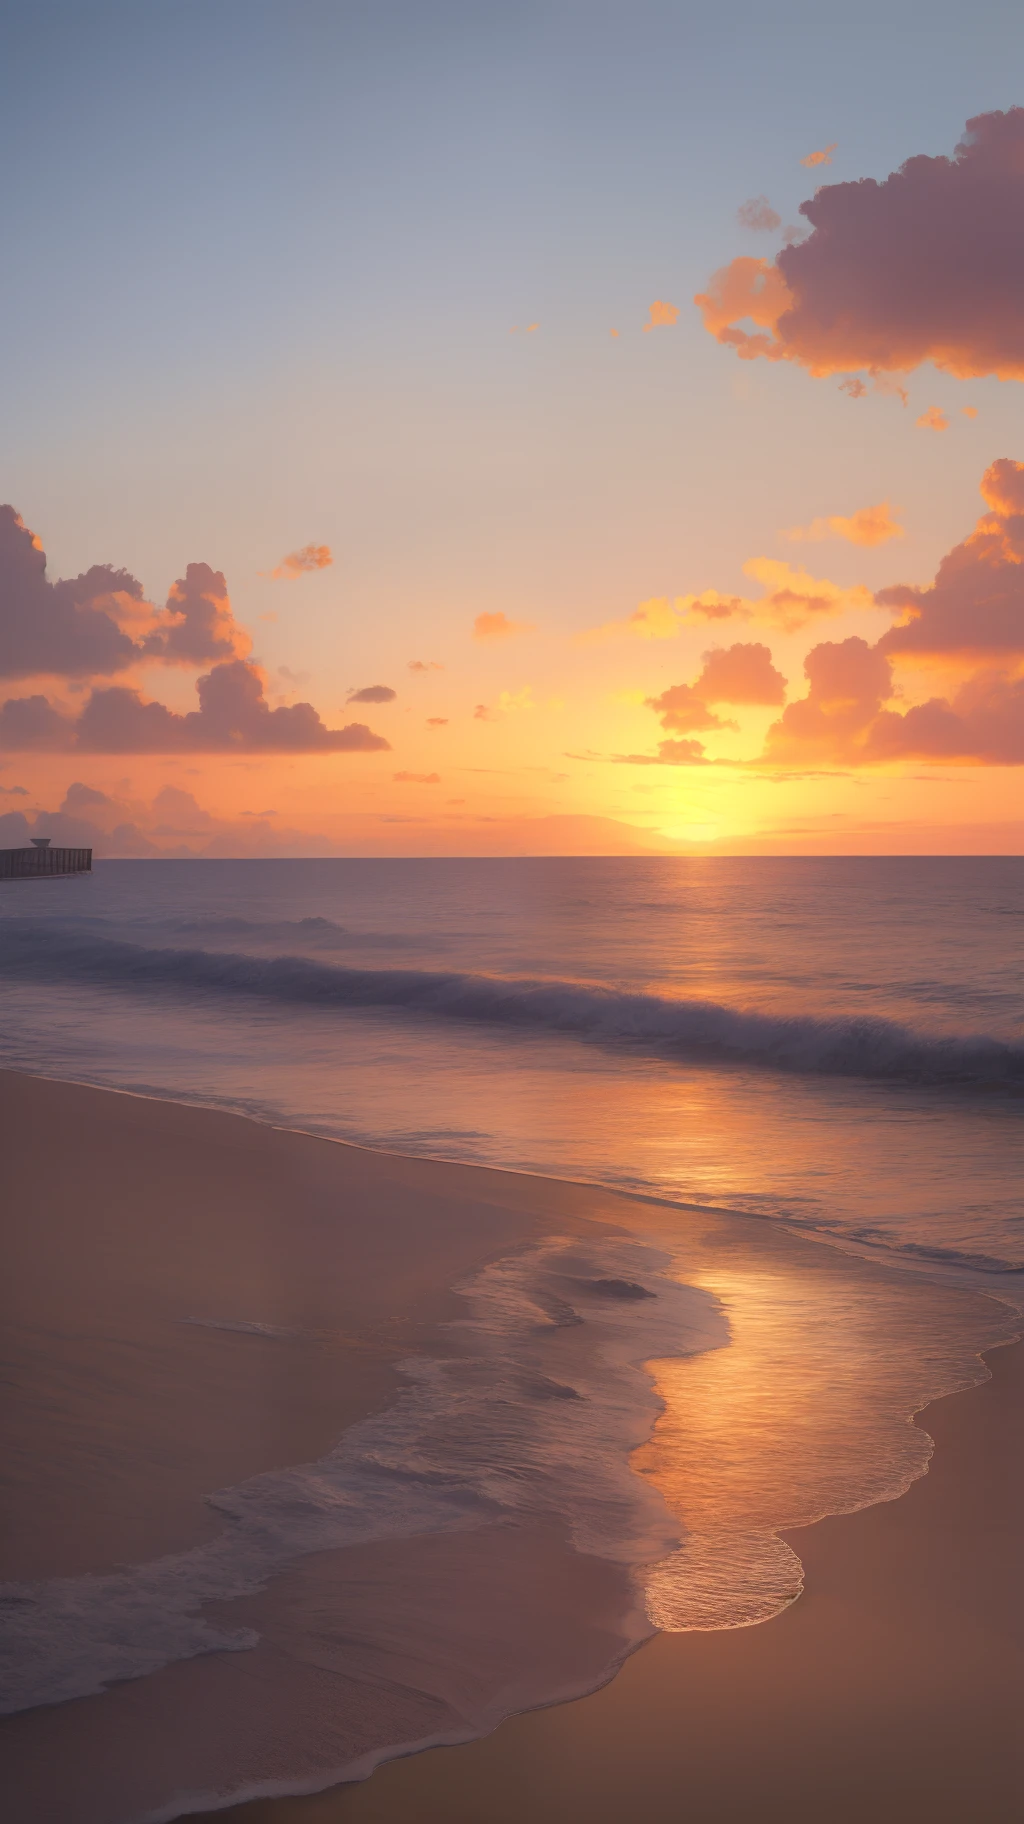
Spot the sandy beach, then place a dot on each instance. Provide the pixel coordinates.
(193, 1299)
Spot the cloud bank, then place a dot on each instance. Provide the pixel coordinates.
(926, 266)
(233, 717)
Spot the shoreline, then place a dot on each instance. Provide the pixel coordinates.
(213, 1282)
(592, 1756)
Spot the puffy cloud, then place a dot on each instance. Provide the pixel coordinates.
(926, 266)
(416, 778)
(233, 717)
(868, 526)
(197, 627)
(824, 157)
(682, 709)
(301, 563)
(844, 717)
(498, 627)
(969, 411)
(67, 629)
(852, 386)
(740, 674)
(759, 215)
(934, 419)
(661, 315)
(792, 598)
(373, 693)
(976, 603)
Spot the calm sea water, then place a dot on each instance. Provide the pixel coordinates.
(837, 1044)
(825, 1056)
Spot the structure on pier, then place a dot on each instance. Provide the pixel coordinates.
(38, 861)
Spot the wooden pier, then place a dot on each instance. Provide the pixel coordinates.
(39, 862)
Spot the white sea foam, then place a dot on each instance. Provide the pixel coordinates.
(535, 1411)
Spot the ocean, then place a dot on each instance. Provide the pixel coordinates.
(810, 1072)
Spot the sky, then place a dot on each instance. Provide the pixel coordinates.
(452, 428)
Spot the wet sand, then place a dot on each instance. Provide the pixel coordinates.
(892, 1690)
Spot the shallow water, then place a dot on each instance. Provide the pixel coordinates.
(835, 1048)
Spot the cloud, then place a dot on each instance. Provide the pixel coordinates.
(844, 717)
(969, 411)
(655, 619)
(233, 717)
(65, 629)
(372, 693)
(926, 266)
(482, 713)
(498, 627)
(853, 387)
(933, 420)
(759, 215)
(740, 674)
(437, 721)
(975, 606)
(868, 526)
(824, 157)
(416, 778)
(792, 598)
(661, 315)
(301, 563)
(197, 626)
(743, 673)
(424, 665)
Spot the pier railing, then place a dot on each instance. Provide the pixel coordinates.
(30, 864)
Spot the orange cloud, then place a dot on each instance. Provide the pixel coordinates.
(933, 420)
(758, 215)
(925, 266)
(416, 778)
(868, 526)
(300, 563)
(824, 157)
(853, 386)
(661, 315)
(424, 665)
(741, 674)
(498, 627)
(792, 598)
(969, 411)
(437, 721)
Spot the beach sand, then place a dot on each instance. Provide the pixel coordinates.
(892, 1688)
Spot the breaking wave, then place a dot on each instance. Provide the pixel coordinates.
(690, 1028)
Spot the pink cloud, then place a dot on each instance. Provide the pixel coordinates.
(424, 665)
(233, 717)
(372, 693)
(926, 266)
(197, 627)
(65, 629)
(740, 674)
(758, 215)
(933, 420)
(302, 563)
(976, 603)
(824, 157)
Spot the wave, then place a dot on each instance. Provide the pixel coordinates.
(687, 1028)
(536, 1414)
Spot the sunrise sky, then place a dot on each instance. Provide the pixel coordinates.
(474, 428)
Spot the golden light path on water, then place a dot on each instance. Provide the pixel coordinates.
(807, 1412)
